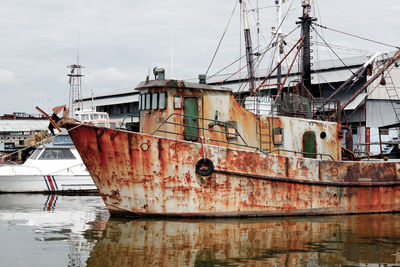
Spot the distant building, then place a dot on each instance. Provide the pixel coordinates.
(19, 130)
(117, 103)
(377, 107)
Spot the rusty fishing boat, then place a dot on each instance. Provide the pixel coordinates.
(199, 152)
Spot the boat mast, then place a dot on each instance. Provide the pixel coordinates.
(305, 22)
(249, 47)
(279, 42)
(75, 86)
(75, 89)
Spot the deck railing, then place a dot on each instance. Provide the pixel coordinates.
(298, 152)
(202, 128)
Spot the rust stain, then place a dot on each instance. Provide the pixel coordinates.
(253, 185)
(140, 173)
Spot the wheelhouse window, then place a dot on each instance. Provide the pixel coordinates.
(36, 153)
(56, 153)
(142, 102)
(148, 101)
(154, 102)
(85, 117)
(162, 100)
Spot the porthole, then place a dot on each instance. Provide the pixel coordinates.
(322, 135)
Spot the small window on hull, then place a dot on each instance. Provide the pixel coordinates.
(177, 102)
(230, 129)
(278, 136)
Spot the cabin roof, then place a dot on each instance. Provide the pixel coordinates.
(23, 125)
(180, 84)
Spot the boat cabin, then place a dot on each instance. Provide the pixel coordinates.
(96, 118)
(210, 114)
(60, 149)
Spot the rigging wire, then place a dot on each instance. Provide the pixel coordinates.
(263, 53)
(256, 18)
(317, 51)
(369, 92)
(356, 36)
(259, 8)
(278, 28)
(344, 48)
(344, 64)
(222, 37)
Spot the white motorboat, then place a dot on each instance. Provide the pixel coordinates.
(54, 168)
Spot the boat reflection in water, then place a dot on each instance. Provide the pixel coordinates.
(297, 241)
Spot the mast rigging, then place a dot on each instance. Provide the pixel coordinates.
(249, 47)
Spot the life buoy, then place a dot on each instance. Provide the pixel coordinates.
(204, 167)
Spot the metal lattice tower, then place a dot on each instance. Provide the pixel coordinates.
(75, 91)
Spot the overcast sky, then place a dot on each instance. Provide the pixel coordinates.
(120, 40)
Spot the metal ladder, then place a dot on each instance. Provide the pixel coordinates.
(266, 134)
(393, 95)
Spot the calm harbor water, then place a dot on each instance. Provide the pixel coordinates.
(41, 230)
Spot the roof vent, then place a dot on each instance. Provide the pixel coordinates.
(159, 73)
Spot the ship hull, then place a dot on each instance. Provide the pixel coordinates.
(139, 174)
(47, 184)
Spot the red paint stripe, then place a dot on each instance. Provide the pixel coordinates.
(50, 203)
(51, 183)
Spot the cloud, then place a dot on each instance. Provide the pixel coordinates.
(121, 40)
(7, 77)
(109, 78)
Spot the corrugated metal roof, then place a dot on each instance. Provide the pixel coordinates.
(111, 100)
(327, 71)
(356, 102)
(23, 125)
(120, 91)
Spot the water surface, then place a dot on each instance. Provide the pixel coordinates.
(40, 230)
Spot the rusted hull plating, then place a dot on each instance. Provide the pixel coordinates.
(140, 174)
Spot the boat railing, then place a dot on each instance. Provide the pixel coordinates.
(12, 167)
(131, 125)
(292, 105)
(227, 125)
(322, 109)
(298, 152)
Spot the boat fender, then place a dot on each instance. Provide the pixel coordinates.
(204, 167)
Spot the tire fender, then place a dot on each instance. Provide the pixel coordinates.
(204, 167)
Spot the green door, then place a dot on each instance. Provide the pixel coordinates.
(309, 145)
(191, 119)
